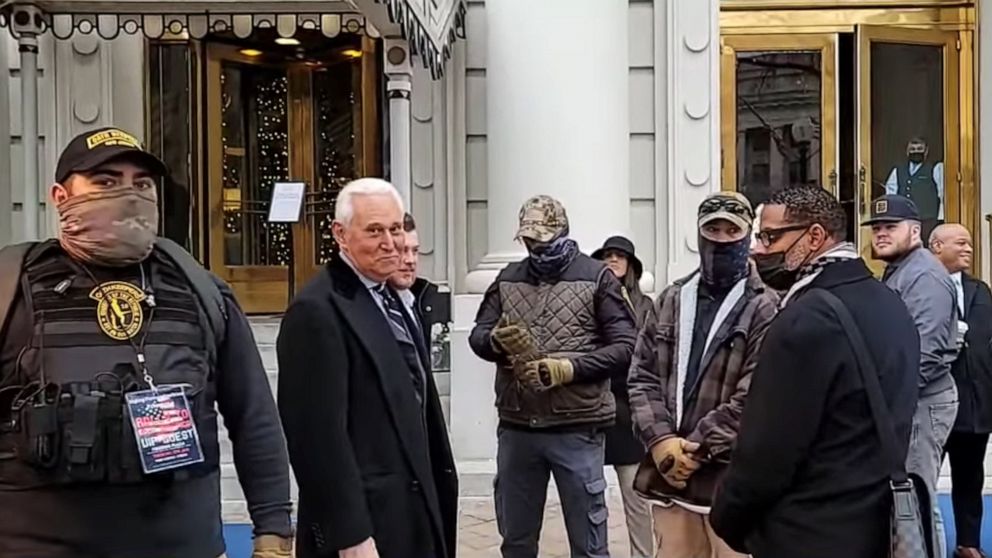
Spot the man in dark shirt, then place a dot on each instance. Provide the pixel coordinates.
(105, 313)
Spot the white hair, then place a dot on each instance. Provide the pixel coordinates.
(344, 208)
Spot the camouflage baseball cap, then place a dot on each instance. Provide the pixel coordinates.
(542, 218)
(729, 206)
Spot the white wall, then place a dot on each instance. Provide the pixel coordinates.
(84, 83)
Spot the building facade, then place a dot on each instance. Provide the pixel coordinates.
(630, 111)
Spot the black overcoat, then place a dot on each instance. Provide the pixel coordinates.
(367, 461)
(972, 370)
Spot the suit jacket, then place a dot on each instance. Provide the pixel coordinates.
(972, 370)
(368, 461)
(808, 477)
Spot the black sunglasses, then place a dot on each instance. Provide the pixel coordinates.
(768, 237)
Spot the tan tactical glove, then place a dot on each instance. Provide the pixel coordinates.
(685, 463)
(511, 339)
(272, 546)
(666, 454)
(547, 373)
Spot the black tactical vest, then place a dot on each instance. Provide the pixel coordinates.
(921, 188)
(67, 420)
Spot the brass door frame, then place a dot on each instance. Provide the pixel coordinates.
(775, 18)
(826, 44)
(264, 289)
(954, 209)
(260, 289)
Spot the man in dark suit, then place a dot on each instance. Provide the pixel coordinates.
(972, 373)
(421, 297)
(808, 477)
(366, 435)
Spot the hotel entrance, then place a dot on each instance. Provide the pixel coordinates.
(864, 101)
(237, 116)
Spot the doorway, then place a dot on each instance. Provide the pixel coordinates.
(234, 116)
(860, 105)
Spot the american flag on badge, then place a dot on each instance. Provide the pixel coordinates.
(159, 415)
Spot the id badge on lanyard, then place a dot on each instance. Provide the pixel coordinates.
(164, 428)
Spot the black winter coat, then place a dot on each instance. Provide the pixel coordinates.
(369, 462)
(622, 447)
(808, 477)
(972, 370)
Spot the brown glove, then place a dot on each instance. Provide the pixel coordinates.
(272, 546)
(511, 339)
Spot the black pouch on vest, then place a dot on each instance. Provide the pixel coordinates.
(84, 439)
(35, 421)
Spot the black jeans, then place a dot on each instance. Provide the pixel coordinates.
(524, 463)
(966, 452)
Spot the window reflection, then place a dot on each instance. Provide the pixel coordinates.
(778, 121)
(907, 126)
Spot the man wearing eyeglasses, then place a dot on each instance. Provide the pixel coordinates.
(690, 376)
(808, 477)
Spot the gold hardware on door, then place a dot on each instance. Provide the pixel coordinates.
(862, 178)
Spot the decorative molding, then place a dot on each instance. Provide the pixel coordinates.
(691, 79)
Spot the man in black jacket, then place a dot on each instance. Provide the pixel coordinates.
(808, 477)
(557, 326)
(972, 373)
(366, 434)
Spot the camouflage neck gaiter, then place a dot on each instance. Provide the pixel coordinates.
(115, 227)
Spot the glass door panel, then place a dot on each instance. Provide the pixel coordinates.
(249, 140)
(779, 113)
(908, 122)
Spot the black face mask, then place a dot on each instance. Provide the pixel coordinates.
(916, 158)
(771, 268)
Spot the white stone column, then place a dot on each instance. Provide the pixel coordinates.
(557, 117)
(398, 88)
(692, 32)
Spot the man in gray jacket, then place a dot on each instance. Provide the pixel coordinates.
(929, 294)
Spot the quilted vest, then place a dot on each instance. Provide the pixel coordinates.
(63, 400)
(562, 319)
(921, 188)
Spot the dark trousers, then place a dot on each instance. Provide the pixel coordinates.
(966, 452)
(524, 463)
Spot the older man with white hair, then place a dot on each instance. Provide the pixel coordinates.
(360, 409)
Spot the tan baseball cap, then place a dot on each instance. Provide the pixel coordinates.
(729, 206)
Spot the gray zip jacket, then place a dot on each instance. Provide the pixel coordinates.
(926, 288)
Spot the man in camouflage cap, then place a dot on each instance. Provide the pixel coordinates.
(557, 326)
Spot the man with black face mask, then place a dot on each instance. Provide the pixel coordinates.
(117, 350)
(690, 375)
(558, 326)
(810, 476)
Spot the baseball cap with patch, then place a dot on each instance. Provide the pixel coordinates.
(542, 218)
(89, 150)
(729, 206)
(892, 208)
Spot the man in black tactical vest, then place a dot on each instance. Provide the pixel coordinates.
(116, 350)
(558, 326)
(922, 182)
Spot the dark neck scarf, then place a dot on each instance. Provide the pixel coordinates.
(723, 264)
(554, 258)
